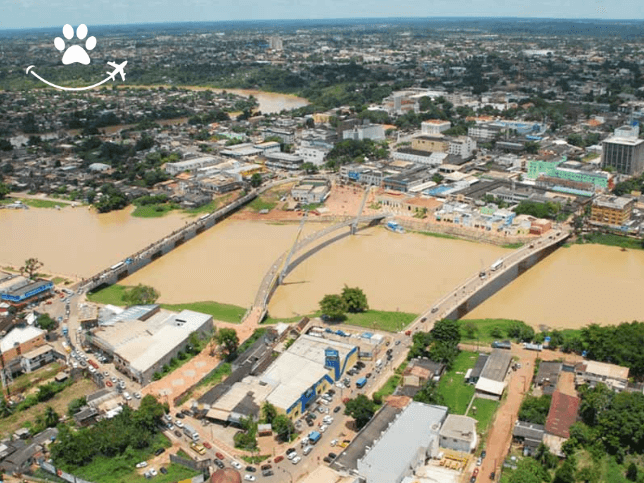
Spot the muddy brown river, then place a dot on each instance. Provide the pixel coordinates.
(570, 288)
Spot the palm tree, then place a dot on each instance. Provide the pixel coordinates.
(51, 417)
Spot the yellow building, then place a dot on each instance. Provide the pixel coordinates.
(611, 210)
(430, 144)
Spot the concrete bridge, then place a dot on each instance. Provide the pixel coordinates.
(156, 250)
(477, 288)
(272, 278)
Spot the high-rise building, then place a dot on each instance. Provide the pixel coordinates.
(275, 43)
(624, 151)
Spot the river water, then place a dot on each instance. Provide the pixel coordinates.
(574, 287)
(570, 288)
(77, 241)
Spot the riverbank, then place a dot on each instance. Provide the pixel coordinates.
(611, 241)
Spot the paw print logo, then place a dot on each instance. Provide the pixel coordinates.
(75, 53)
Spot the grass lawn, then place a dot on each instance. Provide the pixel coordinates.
(217, 376)
(485, 411)
(452, 387)
(611, 240)
(512, 246)
(35, 203)
(438, 235)
(182, 454)
(59, 402)
(109, 295)
(485, 326)
(202, 210)
(259, 204)
(25, 381)
(121, 469)
(389, 387)
(58, 280)
(381, 320)
(156, 210)
(222, 312)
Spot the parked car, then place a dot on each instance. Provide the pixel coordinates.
(323, 428)
(178, 424)
(483, 454)
(219, 463)
(249, 477)
(397, 342)
(309, 422)
(296, 460)
(336, 409)
(334, 442)
(333, 456)
(267, 473)
(163, 470)
(326, 459)
(278, 459)
(368, 375)
(290, 450)
(251, 469)
(236, 465)
(142, 464)
(207, 444)
(180, 415)
(266, 467)
(159, 451)
(292, 455)
(153, 472)
(137, 395)
(177, 433)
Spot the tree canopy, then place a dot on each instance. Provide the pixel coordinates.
(31, 267)
(333, 306)
(141, 295)
(355, 299)
(228, 339)
(361, 408)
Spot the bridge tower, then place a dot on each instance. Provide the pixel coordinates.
(354, 225)
(290, 253)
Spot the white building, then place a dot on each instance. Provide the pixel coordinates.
(312, 154)
(190, 164)
(462, 146)
(405, 445)
(435, 126)
(459, 433)
(373, 131)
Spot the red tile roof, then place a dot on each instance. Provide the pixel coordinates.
(563, 412)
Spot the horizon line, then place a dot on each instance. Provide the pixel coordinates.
(446, 17)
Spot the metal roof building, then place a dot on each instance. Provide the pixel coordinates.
(411, 438)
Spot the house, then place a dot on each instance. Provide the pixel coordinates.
(421, 370)
(472, 376)
(548, 375)
(491, 383)
(562, 414)
(458, 433)
(528, 434)
(86, 416)
(592, 372)
(37, 357)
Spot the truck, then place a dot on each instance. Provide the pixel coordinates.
(532, 347)
(314, 437)
(361, 382)
(504, 344)
(190, 432)
(378, 363)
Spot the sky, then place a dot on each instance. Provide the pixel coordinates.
(15, 14)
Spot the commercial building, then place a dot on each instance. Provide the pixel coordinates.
(430, 144)
(611, 210)
(412, 437)
(291, 383)
(434, 126)
(286, 136)
(27, 291)
(624, 151)
(374, 132)
(190, 164)
(419, 157)
(286, 161)
(486, 131)
(311, 191)
(462, 146)
(593, 372)
(19, 341)
(553, 171)
(458, 433)
(143, 339)
(312, 154)
(36, 358)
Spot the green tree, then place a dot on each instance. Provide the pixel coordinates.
(354, 299)
(429, 394)
(594, 402)
(532, 147)
(4, 190)
(565, 473)
(268, 412)
(535, 409)
(45, 322)
(31, 267)
(333, 306)
(528, 471)
(631, 472)
(75, 404)
(361, 408)
(228, 339)
(5, 409)
(255, 180)
(141, 295)
(283, 427)
(51, 417)
(309, 168)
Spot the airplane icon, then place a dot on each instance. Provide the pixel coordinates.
(118, 69)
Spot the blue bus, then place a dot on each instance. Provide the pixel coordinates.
(361, 382)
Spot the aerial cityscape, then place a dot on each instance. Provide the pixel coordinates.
(370, 249)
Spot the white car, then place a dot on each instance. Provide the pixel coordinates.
(334, 442)
(137, 395)
(327, 420)
(339, 384)
(291, 456)
(153, 472)
(178, 424)
(236, 465)
(249, 477)
(142, 464)
(127, 396)
(323, 428)
(296, 460)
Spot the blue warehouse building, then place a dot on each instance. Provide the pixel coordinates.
(23, 293)
(307, 369)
